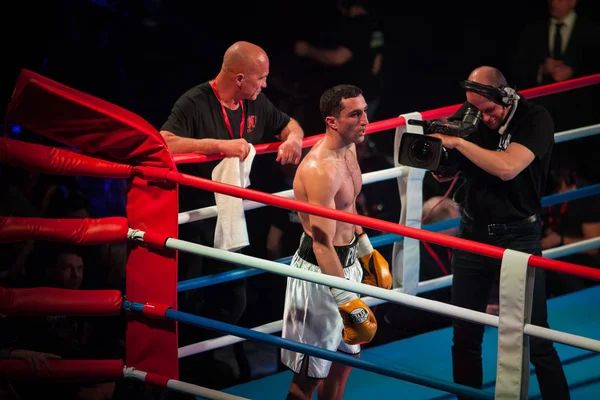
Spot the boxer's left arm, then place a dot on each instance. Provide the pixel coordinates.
(376, 270)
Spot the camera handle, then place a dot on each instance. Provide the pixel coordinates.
(454, 128)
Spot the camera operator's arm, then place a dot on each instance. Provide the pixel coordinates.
(503, 164)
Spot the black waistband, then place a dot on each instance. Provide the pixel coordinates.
(499, 228)
(527, 220)
(346, 254)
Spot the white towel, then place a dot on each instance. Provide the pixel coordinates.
(231, 233)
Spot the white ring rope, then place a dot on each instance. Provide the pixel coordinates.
(390, 295)
(423, 287)
(211, 211)
(368, 178)
(276, 326)
(576, 133)
(183, 387)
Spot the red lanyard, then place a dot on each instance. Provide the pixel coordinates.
(213, 84)
(563, 208)
(437, 259)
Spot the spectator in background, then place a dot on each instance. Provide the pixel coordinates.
(570, 222)
(563, 45)
(352, 55)
(558, 47)
(61, 265)
(435, 262)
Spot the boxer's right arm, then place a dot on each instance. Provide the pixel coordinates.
(321, 185)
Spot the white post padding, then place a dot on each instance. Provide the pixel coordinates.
(406, 258)
(516, 296)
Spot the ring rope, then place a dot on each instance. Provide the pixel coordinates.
(334, 356)
(386, 239)
(184, 179)
(368, 178)
(422, 287)
(227, 276)
(178, 386)
(102, 370)
(211, 211)
(393, 123)
(163, 174)
(396, 297)
(577, 133)
(373, 223)
(276, 326)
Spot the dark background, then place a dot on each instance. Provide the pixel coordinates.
(142, 55)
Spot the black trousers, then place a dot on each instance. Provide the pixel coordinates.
(473, 278)
(224, 302)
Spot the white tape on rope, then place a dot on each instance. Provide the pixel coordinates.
(406, 255)
(516, 295)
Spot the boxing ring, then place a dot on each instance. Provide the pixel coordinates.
(106, 141)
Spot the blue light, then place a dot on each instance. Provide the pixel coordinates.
(16, 129)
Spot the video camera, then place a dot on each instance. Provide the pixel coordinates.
(426, 152)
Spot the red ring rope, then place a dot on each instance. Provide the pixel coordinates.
(393, 123)
(377, 224)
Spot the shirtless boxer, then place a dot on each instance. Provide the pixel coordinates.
(316, 314)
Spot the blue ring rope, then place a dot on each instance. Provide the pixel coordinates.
(334, 356)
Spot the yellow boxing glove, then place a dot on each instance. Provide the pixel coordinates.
(360, 324)
(376, 271)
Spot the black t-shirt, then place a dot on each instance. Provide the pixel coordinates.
(489, 198)
(198, 114)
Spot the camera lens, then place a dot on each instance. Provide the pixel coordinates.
(422, 151)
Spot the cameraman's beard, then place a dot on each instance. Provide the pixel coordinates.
(493, 125)
(503, 119)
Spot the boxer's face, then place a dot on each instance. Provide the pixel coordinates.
(353, 121)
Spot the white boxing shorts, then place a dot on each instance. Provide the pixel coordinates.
(311, 315)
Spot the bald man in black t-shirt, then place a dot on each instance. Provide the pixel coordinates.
(223, 116)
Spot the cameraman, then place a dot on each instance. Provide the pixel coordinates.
(505, 162)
